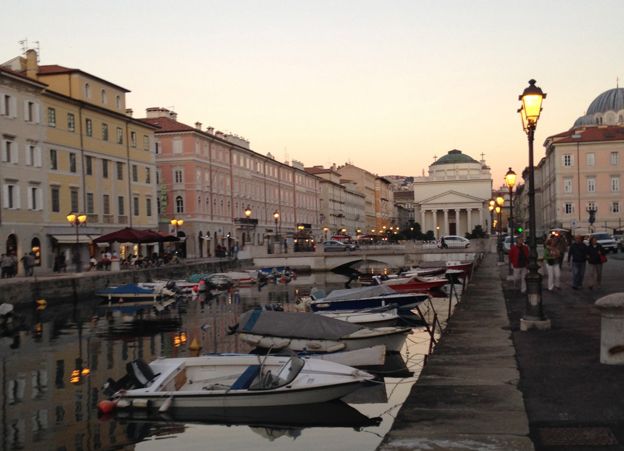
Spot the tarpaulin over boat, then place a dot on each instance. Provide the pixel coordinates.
(294, 325)
(360, 293)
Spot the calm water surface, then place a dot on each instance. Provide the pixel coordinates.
(55, 361)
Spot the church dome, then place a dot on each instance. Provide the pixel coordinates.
(606, 109)
(454, 157)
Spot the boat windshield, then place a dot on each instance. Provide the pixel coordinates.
(283, 376)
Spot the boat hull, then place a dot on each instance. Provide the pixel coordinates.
(402, 301)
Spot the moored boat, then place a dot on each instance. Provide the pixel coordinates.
(414, 284)
(232, 381)
(374, 317)
(366, 298)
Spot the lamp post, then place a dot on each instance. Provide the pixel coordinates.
(591, 210)
(491, 205)
(500, 201)
(276, 216)
(176, 223)
(510, 181)
(530, 110)
(77, 219)
(248, 212)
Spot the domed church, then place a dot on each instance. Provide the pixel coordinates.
(586, 166)
(454, 197)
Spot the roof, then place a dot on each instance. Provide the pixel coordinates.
(22, 77)
(320, 170)
(167, 124)
(454, 157)
(54, 69)
(588, 134)
(611, 100)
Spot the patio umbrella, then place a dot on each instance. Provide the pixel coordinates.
(161, 237)
(127, 235)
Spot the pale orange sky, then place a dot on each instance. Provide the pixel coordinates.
(384, 85)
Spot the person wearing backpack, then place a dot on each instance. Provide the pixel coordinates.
(519, 256)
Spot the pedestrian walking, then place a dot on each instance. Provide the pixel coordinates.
(6, 265)
(26, 263)
(577, 257)
(552, 258)
(519, 256)
(596, 256)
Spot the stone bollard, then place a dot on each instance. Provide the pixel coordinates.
(612, 328)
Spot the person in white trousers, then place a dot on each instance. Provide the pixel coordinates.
(551, 257)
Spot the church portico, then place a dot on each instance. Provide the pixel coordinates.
(453, 198)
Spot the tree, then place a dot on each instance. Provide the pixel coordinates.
(477, 232)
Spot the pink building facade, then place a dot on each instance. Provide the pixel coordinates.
(227, 195)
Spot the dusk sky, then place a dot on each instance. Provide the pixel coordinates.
(384, 85)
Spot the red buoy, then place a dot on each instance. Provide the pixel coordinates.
(105, 406)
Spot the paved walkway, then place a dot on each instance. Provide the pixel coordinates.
(490, 386)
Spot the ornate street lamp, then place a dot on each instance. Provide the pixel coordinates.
(276, 216)
(248, 212)
(530, 112)
(510, 181)
(491, 205)
(175, 222)
(77, 219)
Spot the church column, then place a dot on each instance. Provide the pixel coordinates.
(457, 222)
(422, 220)
(469, 219)
(481, 218)
(446, 223)
(435, 221)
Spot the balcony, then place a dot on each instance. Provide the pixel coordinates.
(122, 219)
(91, 218)
(108, 219)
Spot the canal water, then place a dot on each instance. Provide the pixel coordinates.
(55, 360)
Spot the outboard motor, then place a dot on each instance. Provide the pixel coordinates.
(140, 372)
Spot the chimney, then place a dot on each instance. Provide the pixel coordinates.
(32, 67)
(173, 115)
(155, 111)
(210, 130)
(129, 112)
(198, 125)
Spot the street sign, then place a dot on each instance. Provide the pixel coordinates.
(573, 223)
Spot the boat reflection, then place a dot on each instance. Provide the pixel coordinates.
(269, 422)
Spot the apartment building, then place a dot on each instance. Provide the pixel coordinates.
(226, 193)
(78, 151)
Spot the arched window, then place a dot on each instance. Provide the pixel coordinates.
(87, 90)
(103, 96)
(35, 248)
(118, 102)
(179, 204)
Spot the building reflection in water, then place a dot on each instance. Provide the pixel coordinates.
(54, 365)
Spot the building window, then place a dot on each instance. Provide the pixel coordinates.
(133, 139)
(106, 204)
(104, 132)
(614, 158)
(11, 196)
(156, 148)
(120, 206)
(89, 165)
(105, 169)
(135, 173)
(55, 198)
(73, 195)
(51, 117)
(90, 204)
(119, 135)
(87, 91)
(72, 164)
(34, 198)
(178, 178)
(30, 155)
(179, 204)
(591, 205)
(567, 185)
(71, 122)
(591, 184)
(118, 102)
(53, 160)
(135, 206)
(120, 167)
(145, 142)
(103, 96)
(567, 160)
(615, 207)
(31, 113)
(148, 207)
(148, 176)
(9, 154)
(591, 159)
(615, 183)
(568, 208)
(89, 127)
(7, 106)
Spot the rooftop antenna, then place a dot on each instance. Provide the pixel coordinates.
(24, 44)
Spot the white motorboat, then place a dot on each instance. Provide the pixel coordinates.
(314, 333)
(374, 317)
(224, 381)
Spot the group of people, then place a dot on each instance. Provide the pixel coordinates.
(579, 255)
(8, 264)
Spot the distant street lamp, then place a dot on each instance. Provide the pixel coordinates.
(530, 111)
(491, 205)
(500, 201)
(592, 210)
(325, 230)
(276, 216)
(176, 223)
(510, 181)
(77, 219)
(248, 212)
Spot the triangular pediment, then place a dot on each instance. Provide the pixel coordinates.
(451, 197)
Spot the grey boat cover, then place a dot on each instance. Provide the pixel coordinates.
(295, 325)
(360, 293)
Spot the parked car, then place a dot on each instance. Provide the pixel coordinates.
(335, 245)
(454, 241)
(605, 240)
